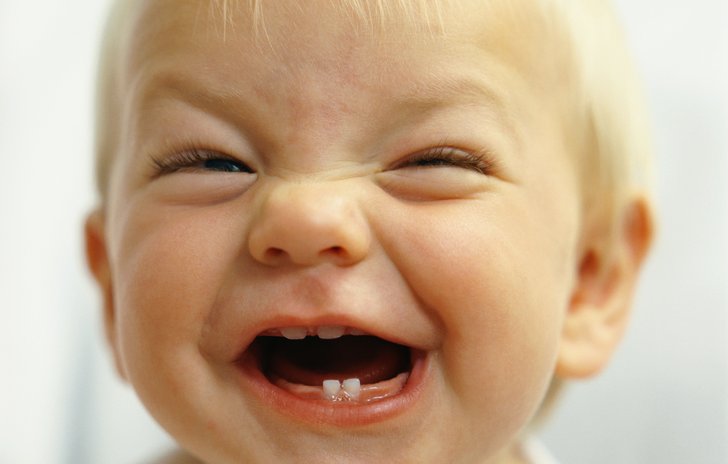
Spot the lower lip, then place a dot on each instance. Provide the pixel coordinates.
(339, 414)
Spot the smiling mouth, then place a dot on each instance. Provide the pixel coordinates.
(332, 364)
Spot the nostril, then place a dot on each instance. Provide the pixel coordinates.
(274, 254)
(277, 256)
(336, 252)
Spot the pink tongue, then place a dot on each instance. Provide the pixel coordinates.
(312, 360)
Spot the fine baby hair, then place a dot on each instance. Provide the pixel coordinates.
(355, 231)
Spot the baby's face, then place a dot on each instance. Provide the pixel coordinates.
(402, 191)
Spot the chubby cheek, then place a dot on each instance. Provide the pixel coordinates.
(497, 285)
(168, 269)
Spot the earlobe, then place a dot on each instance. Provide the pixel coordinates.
(97, 260)
(601, 301)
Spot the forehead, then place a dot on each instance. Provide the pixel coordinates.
(260, 17)
(290, 33)
(268, 40)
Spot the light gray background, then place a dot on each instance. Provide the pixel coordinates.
(663, 400)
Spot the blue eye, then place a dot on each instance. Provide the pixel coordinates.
(224, 165)
(198, 160)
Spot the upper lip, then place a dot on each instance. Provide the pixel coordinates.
(283, 321)
(230, 329)
(229, 340)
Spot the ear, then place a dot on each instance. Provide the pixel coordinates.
(97, 259)
(600, 304)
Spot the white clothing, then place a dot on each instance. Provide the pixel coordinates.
(534, 452)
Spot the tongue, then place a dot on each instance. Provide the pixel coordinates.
(313, 360)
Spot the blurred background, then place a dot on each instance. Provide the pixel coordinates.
(664, 398)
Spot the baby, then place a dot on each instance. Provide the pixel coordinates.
(364, 230)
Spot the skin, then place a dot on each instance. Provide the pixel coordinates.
(489, 272)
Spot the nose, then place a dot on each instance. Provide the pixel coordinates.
(308, 224)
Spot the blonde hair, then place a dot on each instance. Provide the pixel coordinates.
(615, 149)
(108, 93)
(605, 120)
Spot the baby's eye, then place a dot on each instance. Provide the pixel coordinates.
(442, 172)
(225, 165)
(195, 160)
(448, 157)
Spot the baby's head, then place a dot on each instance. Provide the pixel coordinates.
(350, 231)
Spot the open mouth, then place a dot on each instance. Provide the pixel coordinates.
(332, 364)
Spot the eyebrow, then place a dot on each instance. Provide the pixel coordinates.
(421, 99)
(460, 91)
(151, 88)
(160, 85)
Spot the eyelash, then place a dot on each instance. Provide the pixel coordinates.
(193, 158)
(480, 162)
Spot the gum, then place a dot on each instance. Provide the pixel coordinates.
(369, 392)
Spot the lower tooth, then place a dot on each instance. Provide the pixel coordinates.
(349, 390)
(352, 388)
(335, 392)
(331, 389)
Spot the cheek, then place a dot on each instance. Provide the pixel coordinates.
(168, 270)
(496, 282)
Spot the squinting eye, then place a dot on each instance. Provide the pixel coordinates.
(197, 160)
(224, 165)
(449, 157)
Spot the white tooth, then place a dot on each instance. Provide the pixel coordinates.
(329, 332)
(294, 333)
(352, 387)
(331, 389)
